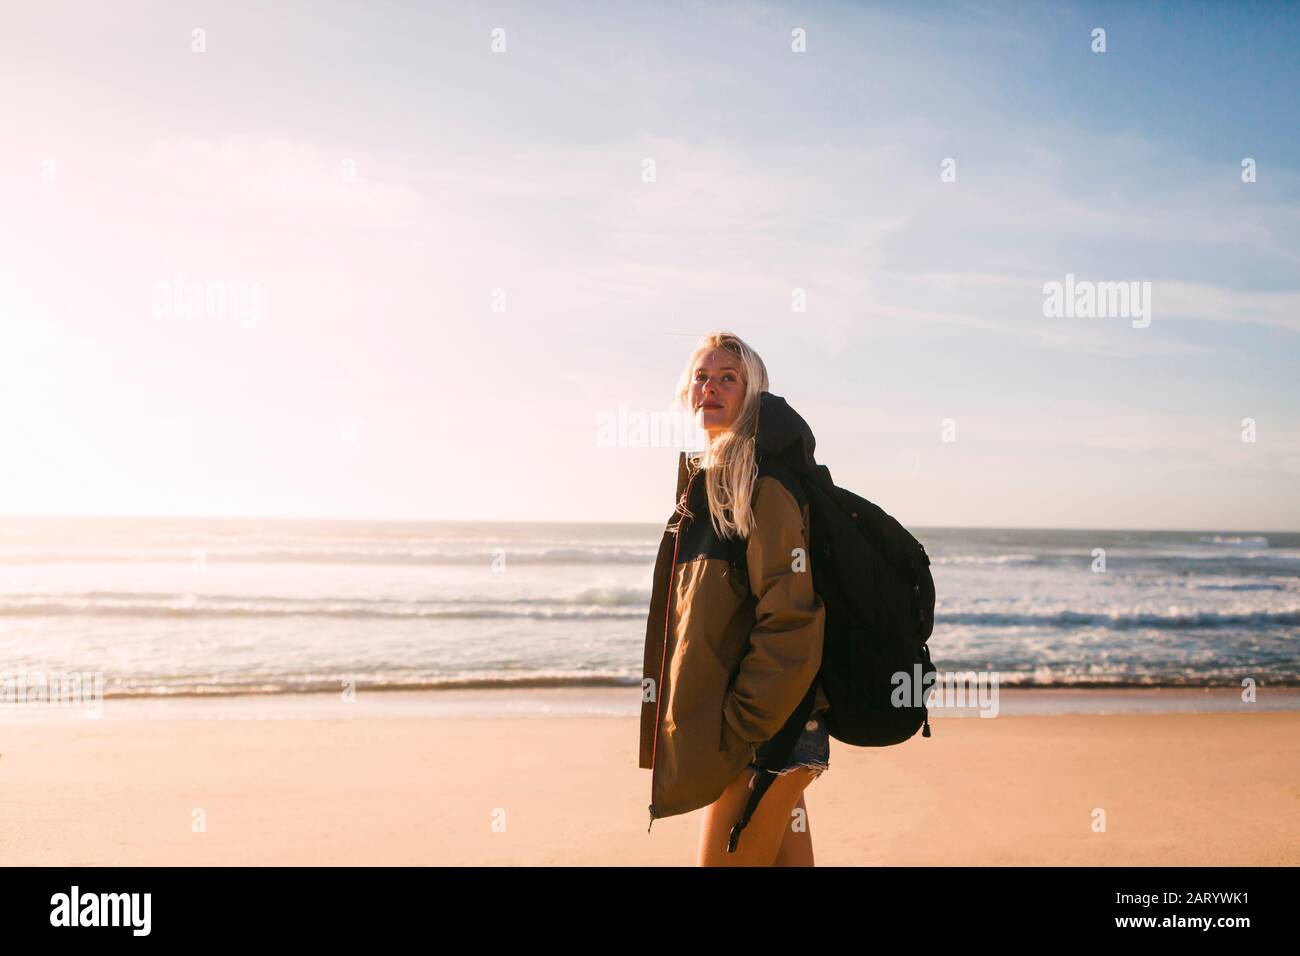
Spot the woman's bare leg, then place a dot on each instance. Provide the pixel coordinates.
(762, 837)
(796, 846)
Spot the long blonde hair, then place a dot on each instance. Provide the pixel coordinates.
(730, 463)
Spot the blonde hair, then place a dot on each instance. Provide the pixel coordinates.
(730, 460)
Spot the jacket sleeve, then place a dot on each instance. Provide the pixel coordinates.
(786, 643)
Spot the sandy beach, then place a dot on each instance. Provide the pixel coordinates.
(394, 786)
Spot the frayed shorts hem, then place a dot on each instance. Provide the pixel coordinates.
(812, 749)
(821, 768)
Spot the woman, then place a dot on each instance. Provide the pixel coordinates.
(734, 635)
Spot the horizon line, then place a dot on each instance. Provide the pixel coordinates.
(562, 521)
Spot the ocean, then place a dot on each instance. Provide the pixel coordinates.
(167, 607)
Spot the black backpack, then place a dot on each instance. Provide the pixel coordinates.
(874, 579)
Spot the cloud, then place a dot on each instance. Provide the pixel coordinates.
(1199, 301)
(1011, 304)
(279, 171)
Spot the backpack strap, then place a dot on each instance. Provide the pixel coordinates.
(771, 758)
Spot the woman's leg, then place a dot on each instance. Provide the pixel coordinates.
(761, 840)
(796, 846)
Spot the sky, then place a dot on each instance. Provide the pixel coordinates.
(462, 236)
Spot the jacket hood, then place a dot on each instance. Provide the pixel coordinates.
(783, 433)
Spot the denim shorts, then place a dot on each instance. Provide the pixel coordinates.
(812, 749)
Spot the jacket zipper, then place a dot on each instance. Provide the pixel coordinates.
(663, 660)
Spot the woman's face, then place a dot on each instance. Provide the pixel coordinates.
(717, 391)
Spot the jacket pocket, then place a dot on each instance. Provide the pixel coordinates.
(732, 743)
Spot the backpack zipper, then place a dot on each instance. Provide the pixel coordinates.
(663, 659)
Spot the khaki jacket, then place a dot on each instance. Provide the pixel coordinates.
(730, 650)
